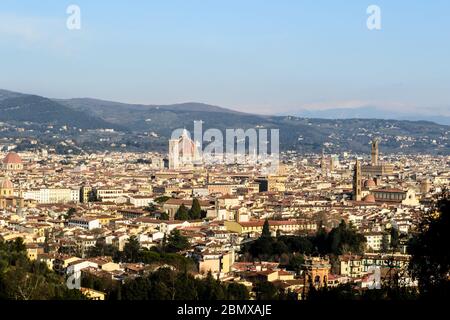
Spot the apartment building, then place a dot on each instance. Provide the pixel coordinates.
(256, 226)
(351, 266)
(141, 200)
(375, 240)
(109, 194)
(84, 222)
(53, 195)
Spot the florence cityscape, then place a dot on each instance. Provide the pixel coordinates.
(319, 170)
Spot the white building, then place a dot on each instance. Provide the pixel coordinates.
(168, 226)
(375, 240)
(54, 195)
(84, 222)
(141, 201)
(109, 194)
(76, 266)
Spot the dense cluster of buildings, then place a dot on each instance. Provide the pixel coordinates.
(64, 205)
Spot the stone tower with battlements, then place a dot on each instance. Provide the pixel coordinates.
(357, 181)
(374, 159)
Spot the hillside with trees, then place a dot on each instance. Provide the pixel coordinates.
(22, 279)
(145, 127)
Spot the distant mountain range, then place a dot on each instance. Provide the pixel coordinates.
(369, 112)
(148, 127)
(21, 107)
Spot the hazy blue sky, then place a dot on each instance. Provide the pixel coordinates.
(251, 55)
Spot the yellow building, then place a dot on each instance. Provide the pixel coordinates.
(276, 183)
(216, 262)
(288, 226)
(104, 219)
(270, 275)
(351, 266)
(285, 275)
(7, 197)
(6, 188)
(109, 194)
(61, 263)
(317, 271)
(393, 195)
(93, 294)
(35, 229)
(33, 250)
(85, 193)
(222, 188)
(13, 235)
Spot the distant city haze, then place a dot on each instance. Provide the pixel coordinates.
(265, 57)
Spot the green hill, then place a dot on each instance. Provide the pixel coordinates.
(148, 127)
(41, 110)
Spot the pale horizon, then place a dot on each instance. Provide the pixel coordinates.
(253, 57)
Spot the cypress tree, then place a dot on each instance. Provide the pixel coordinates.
(266, 230)
(195, 212)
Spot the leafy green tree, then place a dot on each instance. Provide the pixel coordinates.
(262, 248)
(92, 196)
(150, 208)
(340, 240)
(71, 212)
(265, 290)
(166, 284)
(341, 292)
(136, 289)
(320, 241)
(163, 216)
(176, 242)
(182, 213)
(430, 262)
(335, 240)
(236, 291)
(22, 279)
(296, 262)
(298, 244)
(103, 249)
(287, 295)
(101, 283)
(344, 239)
(385, 243)
(131, 250)
(162, 199)
(279, 247)
(178, 261)
(211, 289)
(395, 239)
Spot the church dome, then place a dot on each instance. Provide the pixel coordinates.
(370, 183)
(6, 184)
(12, 158)
(369, 198)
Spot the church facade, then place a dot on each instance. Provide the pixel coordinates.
(183, 152)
